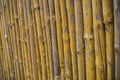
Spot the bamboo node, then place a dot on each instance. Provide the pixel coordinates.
(36, 7)
(52, 18)
(6, 36)
(87, 36)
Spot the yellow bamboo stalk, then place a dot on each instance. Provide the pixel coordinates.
(32, 43)
(71, 22)
(21, 21)
(26, 44)
(66, 40)
(109, 29)
(18, 43)
(80, 45)
(59, 37)
(49, 61)
(38, 59)
(117, 38)
(89, 42)
(99, 36)
(54, 41)
(6, 69)
(41, 40)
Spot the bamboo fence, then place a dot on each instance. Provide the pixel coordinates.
(59, 39)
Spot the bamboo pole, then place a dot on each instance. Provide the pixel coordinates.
(59, 37)
(26, 43)
(32, 43)
(49, 60)
(117, 38)
(18, 42)
(109, 31)
(54, 41)
(41, 40)
(71, 23)
(80, 45)
(89, 42)
(66, 40)
(21, 21)
(99, 37)
(38, 59)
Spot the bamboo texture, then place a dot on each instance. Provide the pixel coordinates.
(59, 40)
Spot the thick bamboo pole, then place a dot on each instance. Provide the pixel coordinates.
(32, 43)
(41, 40)
(109, 29)
(71, 23)
(54, 41)
(99, 37)
(59, 37)
(66, 41)
(89, 40)
(117, 38)
(80, 45)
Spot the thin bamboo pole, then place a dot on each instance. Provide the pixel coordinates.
(38, 59)
(99, 37)
(18, 42)
(66, 40)
(109, 31)
(26, 43)
(80, 45)
(49, 60)
(117, 38)
(71, 23)
(89, 41)
(32, 43)
(59, 37)
(41, 40)
(54, 41)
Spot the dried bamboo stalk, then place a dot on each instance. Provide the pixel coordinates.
(41, 40)
(32, 43)
(109, 31)
(26, 43)
(80, 45)
(54, 41)
(71, 23)
(66, 41)
(99, 37)
(38, 59)
(59, 37)
(117, 38)
(89, 40)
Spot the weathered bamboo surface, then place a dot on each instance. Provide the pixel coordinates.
(59, 39)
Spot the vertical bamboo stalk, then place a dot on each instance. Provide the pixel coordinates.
(17, 30)
(54, 41)
(59, 37)
(38, 59)
(109, 31)
(71, 22)
(80, 45)
(49, 61)
(117, 38)
(89, 42)
(99, 37)
(32, 44)
(26, 43)
(41, 40)
(66, 40)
